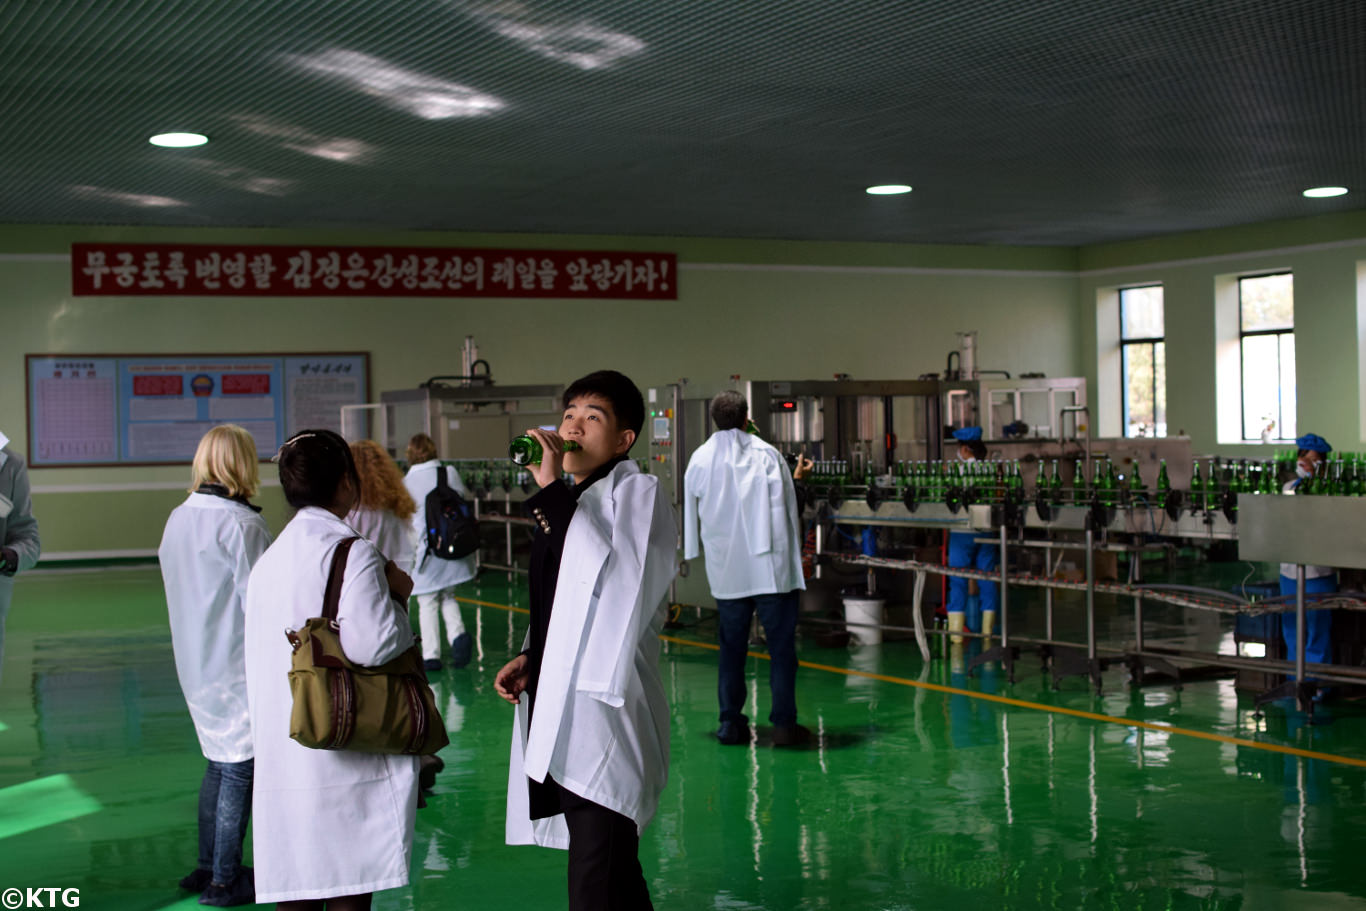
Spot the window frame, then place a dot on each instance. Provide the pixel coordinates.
(1242, 366)
(1152, 343)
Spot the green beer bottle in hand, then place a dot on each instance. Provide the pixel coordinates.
(526, 450)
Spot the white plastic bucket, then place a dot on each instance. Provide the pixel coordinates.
(863, 617)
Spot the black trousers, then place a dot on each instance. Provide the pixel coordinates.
(604, 862)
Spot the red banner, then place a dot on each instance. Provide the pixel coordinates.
(226, 270)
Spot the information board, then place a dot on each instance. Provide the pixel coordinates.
(153, 409)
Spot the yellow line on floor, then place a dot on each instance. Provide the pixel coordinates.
(1018, 703)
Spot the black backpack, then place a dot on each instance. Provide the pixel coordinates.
(452, 529)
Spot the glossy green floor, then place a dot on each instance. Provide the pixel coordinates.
(913, 797)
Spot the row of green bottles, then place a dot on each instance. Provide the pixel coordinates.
(933, 480)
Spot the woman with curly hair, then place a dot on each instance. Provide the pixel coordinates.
(385, 510)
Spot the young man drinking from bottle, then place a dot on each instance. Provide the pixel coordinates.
(590, 740)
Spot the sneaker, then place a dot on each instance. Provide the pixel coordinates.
(432, 664)
(790, 735)
(197, 881)
(242, 891)
(733, 733)
(462, 647)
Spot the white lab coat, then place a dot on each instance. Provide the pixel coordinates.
(739, 490)
(18, 529)
(601, 726)
(392, 536)
(326, 823)
(1310, 572)
(433, 574)
(206, 553)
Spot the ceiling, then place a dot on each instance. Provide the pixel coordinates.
(1053, 122)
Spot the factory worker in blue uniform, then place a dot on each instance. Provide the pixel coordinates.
(965, 553)
(1318, 580)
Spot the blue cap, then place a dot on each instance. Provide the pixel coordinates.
(968, 434)
(1312, 442)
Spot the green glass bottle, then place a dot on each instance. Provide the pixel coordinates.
(525, 450)
(1055, 484)
(751, 427)
(1111, 496)
(1078, 481)
(1136, 488)
(1164, 484)
(1197, 487)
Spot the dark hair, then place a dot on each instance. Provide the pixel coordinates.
(312, 466)
(979, 449)
(628, 405)
(729, 410)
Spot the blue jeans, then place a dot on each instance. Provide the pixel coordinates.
(1318, 624)
(224, 808)
(778, 614)
(965, 554)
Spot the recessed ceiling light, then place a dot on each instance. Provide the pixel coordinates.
(888, 189)
(178, 140)
(1325, 192)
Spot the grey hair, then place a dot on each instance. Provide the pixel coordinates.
(729, 410)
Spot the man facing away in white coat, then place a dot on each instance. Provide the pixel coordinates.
(738, 489)
(590, 740)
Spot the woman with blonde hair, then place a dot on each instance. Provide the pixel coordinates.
(385, 509)
(211, 542)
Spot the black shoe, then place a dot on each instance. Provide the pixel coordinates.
(733, 733)
(790, 735)
(197, 881)
(432, 664)
(462, 647)
(242, 891)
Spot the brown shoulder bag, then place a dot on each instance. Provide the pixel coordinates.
(339, 705)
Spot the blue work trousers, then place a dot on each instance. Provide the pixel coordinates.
(224, 808)
(778, 614)
(1318, 624)
(965, 553)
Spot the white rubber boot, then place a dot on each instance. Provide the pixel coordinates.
(988, 623)
(956, 627)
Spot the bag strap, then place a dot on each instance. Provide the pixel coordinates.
(441, 481)
(332, 595)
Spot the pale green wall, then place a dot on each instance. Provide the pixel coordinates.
(761, 309)
(1325, 254)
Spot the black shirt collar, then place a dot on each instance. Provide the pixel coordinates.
(218, 490)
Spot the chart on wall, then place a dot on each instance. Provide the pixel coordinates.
(153, 409)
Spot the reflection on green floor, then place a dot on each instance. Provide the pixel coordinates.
(911, 798)
(42, 802)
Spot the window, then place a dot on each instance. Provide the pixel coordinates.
(1266, 336)
(1143, 361)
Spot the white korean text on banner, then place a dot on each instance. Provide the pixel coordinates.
(235, 270)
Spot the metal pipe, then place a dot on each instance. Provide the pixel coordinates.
(1090, 597)
(1075, 409)
(1048, 593)
(507, 529)
(1005, 627)
(1299, 623)
(1138, 621)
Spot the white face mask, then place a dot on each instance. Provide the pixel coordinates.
(1303, 472)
